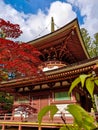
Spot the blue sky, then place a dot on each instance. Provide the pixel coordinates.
(32, 6)
(34, 16)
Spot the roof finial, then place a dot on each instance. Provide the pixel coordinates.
(52, 24)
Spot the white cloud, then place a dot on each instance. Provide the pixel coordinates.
(62, 13)
(89, 9)
(36, 25)
(33, 25)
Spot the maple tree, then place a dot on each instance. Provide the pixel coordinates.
(18, 58)
(9, 30)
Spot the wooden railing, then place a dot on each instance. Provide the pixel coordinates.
(10, 117)
(33, 118)
(5, 116)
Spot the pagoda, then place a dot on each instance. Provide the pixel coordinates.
(64, 57)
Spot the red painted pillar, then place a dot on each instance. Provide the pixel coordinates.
(39, 128)
(3, 126)
(5, 117)
(20, 127)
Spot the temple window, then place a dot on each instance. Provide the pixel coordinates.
(60, 96)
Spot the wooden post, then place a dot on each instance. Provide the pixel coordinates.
(39, 128)
(20, 127)
(4, 116)
(3, 126)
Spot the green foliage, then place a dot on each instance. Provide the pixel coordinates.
(88, 81)
(6, 101)
(74, 84)
(63, 128)
(52, 109)
(83, 120)
(87, 39)
(95, 44)
(69, 127)
(3, 75)
(90, 86)
(82, 78)
(96, 81)
(91, 44)
(85, 80)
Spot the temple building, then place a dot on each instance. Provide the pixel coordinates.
(64, 57)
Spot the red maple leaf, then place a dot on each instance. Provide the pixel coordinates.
(9, 30)
(19, 58)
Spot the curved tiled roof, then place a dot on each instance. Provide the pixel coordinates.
(65, 43)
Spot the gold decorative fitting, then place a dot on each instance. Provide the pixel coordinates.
(50, 65)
